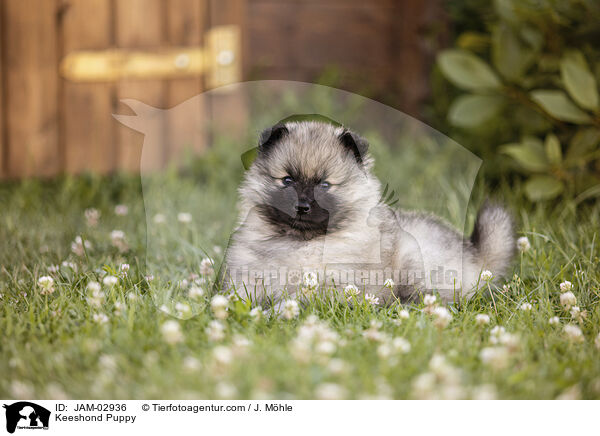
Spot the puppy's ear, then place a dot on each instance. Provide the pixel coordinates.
(354, 143)
(269, 137)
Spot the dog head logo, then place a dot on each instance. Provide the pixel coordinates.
(26, 415)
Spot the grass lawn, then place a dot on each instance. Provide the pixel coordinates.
(116, 343)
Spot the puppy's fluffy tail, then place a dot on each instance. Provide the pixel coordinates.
(494, 239)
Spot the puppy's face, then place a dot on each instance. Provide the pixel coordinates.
(307, 178)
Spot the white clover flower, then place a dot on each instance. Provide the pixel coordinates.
(107, 363)
(523, 244)
(159, 218)
(372, 299)
(496, 333)
(91, 217)
(389, 283)
(53, 269)
(330, 391)
(256, 313)
(100, 318)
(337, 366)
(351, 292)
(124, 268)
(429, 300)
(310, 280)
(484, 392)
(121, 209)
(46, 284)
(117, 234)
(223, 355)
(482, 319)
(496, 357)
(505, 288)
(182, 309)
(119, 307)
(225, 391)
(576, 313)
(555, 320)
(568, 299)
(69, 265)
(401, 345)
(149, 278)
(325, 347)
(441, 317)
(110, 281)
(117, 238)
(290, 309)
(22, 390)
(79, 246)
(219, 305)
(240, 344)
(184, 217)
(96, 297)
(183, 283)
(526, 307)
(566, 286)
(206, 266)
(195, 292)
(403, 314)
(191, 364)
(486, 275)
(215, 331)
(384, 350)
(171, 332)
(573, 333)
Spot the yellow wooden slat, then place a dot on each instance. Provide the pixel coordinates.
(114, 65)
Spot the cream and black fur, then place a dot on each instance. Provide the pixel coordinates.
(310, 202)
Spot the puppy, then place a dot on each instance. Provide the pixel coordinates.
(311, 217)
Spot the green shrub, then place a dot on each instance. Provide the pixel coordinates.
(531, 92)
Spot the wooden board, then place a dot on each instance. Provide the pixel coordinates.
(89, 129)
(140, 24)
(187, 21)
(229, 109)
(2, 146)
(31, 95)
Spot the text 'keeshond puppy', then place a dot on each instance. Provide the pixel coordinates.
(312, 218)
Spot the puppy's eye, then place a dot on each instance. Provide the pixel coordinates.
(325, 185)
(287, 181)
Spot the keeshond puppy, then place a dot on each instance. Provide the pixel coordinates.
(311, 218)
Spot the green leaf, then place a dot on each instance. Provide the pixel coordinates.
(543, 188)
(579, 81)
(510, 55)
(248, 157)
(467, 71)
(592, 192)
(472, 110)
(557, 104)
(473, 41)
(583, 142)
(553, 151)
(529, 154)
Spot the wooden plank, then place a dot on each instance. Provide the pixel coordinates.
(414, 55)
(229, 111)
(88, 126)
(2, 147)
(140, 24)
(187, 21)
(354, 35)
(31, 94)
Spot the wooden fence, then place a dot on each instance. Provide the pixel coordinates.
(52, 123)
